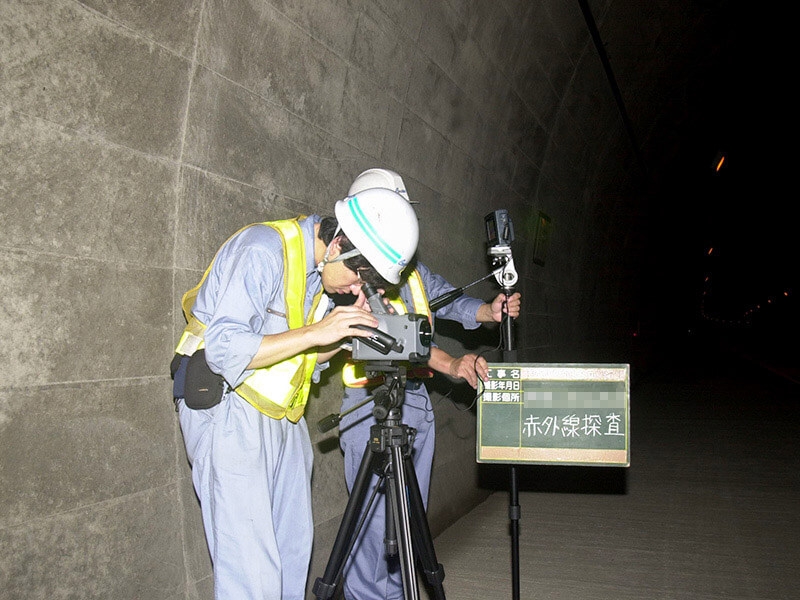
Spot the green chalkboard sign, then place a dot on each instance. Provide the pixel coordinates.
(566, 414)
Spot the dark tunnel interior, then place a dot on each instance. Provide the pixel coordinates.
(722, 235)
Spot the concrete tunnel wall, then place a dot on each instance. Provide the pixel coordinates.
(136, 137)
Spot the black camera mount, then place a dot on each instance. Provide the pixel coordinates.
(500, 234)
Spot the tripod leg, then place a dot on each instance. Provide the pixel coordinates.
(399, 498)
(423, 541)
(325, 586)
(390, 535)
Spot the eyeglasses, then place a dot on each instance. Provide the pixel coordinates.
(358, 272)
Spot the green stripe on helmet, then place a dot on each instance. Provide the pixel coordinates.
(366, 226)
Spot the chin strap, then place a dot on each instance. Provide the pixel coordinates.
(341, 257)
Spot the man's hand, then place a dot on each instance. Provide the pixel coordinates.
(334, 327)
(500, 306)
(469, 367)
(340, 324)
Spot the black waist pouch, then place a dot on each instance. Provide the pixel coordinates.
(203, 388)
(177, 369)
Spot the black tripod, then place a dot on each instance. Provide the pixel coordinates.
(388, 454)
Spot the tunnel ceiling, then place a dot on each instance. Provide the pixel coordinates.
(699, 84)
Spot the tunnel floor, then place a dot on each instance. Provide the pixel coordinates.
(708, 509)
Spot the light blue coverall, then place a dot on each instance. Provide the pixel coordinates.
(368, 575)
(251, 473)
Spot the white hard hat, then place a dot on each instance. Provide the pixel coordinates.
(383, 226)
(378, 178)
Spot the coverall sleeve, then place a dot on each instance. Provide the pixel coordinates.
(463, 309)
(245, 280)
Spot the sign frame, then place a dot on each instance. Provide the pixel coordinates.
(555, 413)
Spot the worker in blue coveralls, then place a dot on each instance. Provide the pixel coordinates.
(369, 575)
(260, 324)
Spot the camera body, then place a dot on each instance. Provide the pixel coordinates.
(397, 337)
(499, 228)
(500, 234)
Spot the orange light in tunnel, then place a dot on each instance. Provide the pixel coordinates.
(719, 160)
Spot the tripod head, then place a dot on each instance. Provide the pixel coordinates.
(390, 394)
(387, 397)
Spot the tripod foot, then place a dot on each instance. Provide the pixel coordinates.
(435, 578)
(322, 590)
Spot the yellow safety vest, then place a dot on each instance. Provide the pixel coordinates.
(353, 373)
(280, 390)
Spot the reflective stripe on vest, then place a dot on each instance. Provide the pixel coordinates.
(280, 390)
(353, 373)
